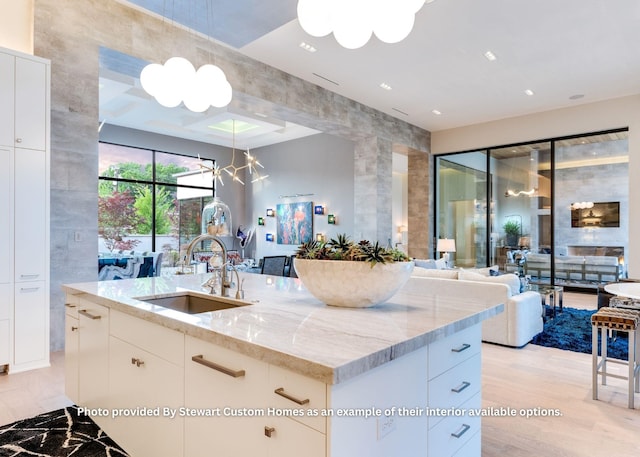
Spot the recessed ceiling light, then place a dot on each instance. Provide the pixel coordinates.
(307, 47)
(436, 112)
(490, 56)
(385, 86)
(576, 97)
(529, 92)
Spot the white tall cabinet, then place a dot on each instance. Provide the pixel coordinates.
(24, 206)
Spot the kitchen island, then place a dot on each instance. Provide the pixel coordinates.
(280, 375)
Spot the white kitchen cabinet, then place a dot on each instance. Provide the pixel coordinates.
(216, 377)
(455, 384)
(31, 104)
(24, 100)
(31, 324)
(24, 199)
(31, 215)
(228, 403)
(93, 354)
(142, 382)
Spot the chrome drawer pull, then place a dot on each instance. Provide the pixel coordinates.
(86, 313)
(29, 289)
(214, 366)
(268, 431)
(280, 391)
(464, 347)
(465, 429)
(29, 276)
(461, 387)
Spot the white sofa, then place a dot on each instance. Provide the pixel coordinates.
(522, 316)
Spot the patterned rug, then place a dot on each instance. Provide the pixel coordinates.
(571, 330)
(59, 433)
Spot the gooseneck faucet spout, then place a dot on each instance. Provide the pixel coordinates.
(226, 283)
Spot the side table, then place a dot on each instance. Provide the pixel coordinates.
(547, 290)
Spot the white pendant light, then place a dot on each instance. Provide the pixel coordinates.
(177, 81)
(353, 21)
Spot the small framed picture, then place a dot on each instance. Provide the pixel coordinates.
(269, 237)
(331, 219)
(261, 220)
(270, 212)
(319, 209)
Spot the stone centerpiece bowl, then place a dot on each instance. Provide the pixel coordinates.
(352, 284)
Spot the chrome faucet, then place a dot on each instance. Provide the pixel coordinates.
(226, 283)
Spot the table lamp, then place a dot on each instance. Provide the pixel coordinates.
(446, 245)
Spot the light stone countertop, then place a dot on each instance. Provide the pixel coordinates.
(286, 326)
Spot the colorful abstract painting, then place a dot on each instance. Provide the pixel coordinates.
(294, 222)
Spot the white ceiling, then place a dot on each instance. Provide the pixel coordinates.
(557, 49)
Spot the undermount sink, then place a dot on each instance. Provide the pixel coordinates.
(193, 303)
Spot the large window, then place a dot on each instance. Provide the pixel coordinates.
(149, 200)
(557, 210)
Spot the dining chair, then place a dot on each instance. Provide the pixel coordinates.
(274, 265)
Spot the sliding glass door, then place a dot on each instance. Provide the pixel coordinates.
(554, 210)
(462, 206)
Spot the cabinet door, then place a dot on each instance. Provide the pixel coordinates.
(208, 387)
(7, 91)
(292, 439)
(141, 385)
(71, 341)
(30, 104)
(93, 355)
(31, 231)
(6, 209)
(30, 325)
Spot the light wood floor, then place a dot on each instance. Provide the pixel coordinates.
(533, 378)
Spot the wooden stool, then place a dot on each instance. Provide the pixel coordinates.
(621, 320)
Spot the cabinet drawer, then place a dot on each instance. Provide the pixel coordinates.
(454, 349)
(455, 386)
(238, 379)
(31, 327)
(472, 448)
(450, 434)
(289, 390)
(158, 340)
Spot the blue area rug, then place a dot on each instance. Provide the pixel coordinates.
(571, 330)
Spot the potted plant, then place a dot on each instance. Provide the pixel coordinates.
(342, 272)
(512, 230)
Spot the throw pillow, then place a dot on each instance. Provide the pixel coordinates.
(441, 264)
(487, 271)
(435, 273)
(425, 263)
(509, 279)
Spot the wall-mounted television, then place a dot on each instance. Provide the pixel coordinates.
(603, 214)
